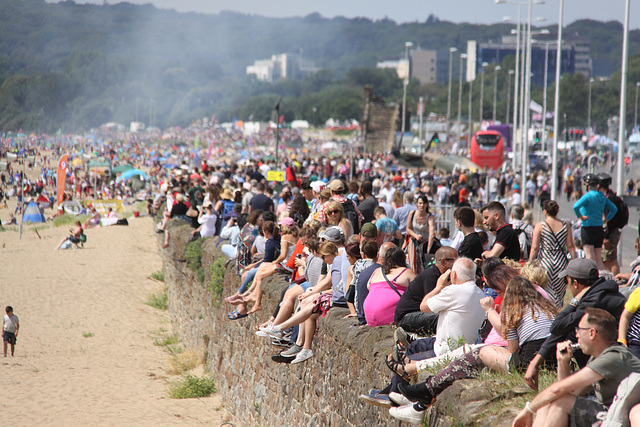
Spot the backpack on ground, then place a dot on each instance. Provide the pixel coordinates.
(622, 216)
(525, 242)
(352, 215)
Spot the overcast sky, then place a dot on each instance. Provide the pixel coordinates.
(474, 11)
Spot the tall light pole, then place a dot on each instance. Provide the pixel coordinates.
(544, 98)
(451, 51)
(556, 114)
(589, 108)
(462, 57)
(405, 83)
(495, 90)
(623, 99)
(511, 73)
(635, 117)
(470, 130)
(527, 94)
(484, 65)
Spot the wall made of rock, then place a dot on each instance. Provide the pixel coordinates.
(323, 391)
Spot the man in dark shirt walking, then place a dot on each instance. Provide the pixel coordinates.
(471, 247)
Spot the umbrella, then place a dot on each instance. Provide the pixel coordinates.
(130, 173)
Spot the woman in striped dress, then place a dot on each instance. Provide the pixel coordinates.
(552, 240)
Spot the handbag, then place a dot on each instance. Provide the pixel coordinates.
(390, 284)
(350, 295)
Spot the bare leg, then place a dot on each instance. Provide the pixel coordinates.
(309, 331)
(612, 266)
(288, 302)
(303, 314)
(495, 357)
(5, 348)
(557, 413)
(258, 304)
(166, 239)
(598, 260)
(13, 348)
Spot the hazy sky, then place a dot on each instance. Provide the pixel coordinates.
(474, 11)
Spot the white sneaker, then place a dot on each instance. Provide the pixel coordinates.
(302, 356)
(399, 398)
(291, 352)
(262, 334)
(272, 331)
(407, 413)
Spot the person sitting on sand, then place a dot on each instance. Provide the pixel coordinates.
(94, 219)
(75, 237)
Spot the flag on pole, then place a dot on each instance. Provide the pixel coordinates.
(534, 106)
(62, 177)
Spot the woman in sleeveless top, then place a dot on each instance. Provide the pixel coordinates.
(380, 305)
(552, 240)
(288, 241)
(421, 227)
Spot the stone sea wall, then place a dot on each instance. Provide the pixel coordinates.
(323, 391)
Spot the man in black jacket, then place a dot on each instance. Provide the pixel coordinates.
(588, 290)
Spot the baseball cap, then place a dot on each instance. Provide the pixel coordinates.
(581, 269)
(287, 222)
(326, 193)
(332, 234)
(336, 185)
(369, 230)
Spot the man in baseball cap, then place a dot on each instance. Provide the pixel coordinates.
(588, 290)
(369, 231)
(333, 234)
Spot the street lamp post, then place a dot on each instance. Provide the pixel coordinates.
(495, 90)
(451, 51)
(589, 108)
(623, 100)
(544, 98)
(405, 83)
(556, 116)
(470, 129)
(462, 57)
(484, 65)
(511, 73)
(635, 117)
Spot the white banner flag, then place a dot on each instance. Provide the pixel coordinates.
(534, 106)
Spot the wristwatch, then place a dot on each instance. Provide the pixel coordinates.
(574, 301)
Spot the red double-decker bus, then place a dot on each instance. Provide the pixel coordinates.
(487, 149)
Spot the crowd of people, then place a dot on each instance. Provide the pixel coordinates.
(479, 285)
(486, 288)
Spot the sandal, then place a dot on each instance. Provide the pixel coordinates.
(399, 351)
(393, 365)
(235, 315)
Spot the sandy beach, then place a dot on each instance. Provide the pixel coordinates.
(85, 354)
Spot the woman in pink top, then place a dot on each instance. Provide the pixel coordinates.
(380, 305)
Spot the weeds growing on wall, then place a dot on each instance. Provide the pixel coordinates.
(193, 256)
(216, 283)
(159, 300)
(191, 386)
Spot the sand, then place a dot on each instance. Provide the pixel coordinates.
(118, 376)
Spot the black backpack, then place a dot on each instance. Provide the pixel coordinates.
(525, 243)
(622, 216)
(352, 215)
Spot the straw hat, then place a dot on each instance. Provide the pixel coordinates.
(227, 194)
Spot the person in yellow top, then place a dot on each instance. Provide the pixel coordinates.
(629, 327)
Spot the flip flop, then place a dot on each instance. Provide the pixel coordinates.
(235, 315)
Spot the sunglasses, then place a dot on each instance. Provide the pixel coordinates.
(332, 212)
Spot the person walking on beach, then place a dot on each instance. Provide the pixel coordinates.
(10, 330)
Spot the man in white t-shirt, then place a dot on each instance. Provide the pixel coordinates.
(457, 300)
(11, 325)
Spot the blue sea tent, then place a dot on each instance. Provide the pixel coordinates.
(33, 214)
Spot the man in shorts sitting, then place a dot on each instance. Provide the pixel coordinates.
(609, 364)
